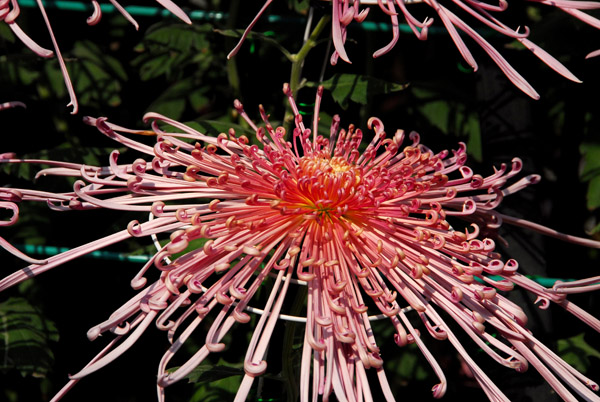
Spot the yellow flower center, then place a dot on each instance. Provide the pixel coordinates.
(325, 185)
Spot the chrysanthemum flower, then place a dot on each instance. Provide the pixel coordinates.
(9, 11)
(368, 232)
(344, 12)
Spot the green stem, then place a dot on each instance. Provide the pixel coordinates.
(297, 63)
(298, 58)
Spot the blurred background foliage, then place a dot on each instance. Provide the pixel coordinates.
(182, 71)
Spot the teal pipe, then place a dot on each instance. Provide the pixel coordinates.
(199, 15)
(143, 11)
(98, 254)
(114, 256)
(546, 282)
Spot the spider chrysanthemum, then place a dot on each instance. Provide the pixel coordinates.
(367, 232)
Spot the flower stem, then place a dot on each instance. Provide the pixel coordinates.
(298, 58)
(297, 63)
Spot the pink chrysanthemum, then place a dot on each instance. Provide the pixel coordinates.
(344, 12)
(366, 232)
(9, 11)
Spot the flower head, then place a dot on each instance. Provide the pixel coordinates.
(344, 12)
(366, 232)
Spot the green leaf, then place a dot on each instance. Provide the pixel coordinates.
(6, 33)
(215, 127)
(95, 74)
(90, 52)
(168, 49)
(324, 125)
(357, 88)
(591, 172)
(69, 150)
(300, 6)
(177, 37)
(26, 75)
(215, 382)
(172, 101)
(594, 230)
(473, 130)
(591, 160)
(208, 373)
(593, 193)
(450, 117)
(199, 99)
(192, 245)
(156, 67)
(217, 391)
(24, 338)
(55, 85)
(171, 107)
(410, 365)
(576, 351)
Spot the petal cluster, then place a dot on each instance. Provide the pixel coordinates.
(386, 230)
(344, 12)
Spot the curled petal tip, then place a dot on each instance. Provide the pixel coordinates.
(439, 390)
(8, 105)
(138, 283)
(89, 120)
(534, 178)
(94, 333)
(96, 15)
(75, 106)
(362, 15)
(255, 369)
